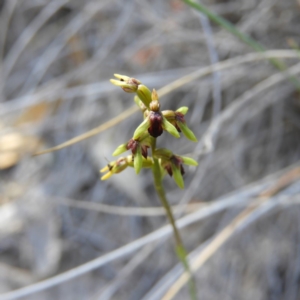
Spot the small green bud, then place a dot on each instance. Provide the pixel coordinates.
(167, 126)
(154, 104)
(144, 94)
(129, 85)
(154, 95)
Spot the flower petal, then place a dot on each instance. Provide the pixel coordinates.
(122, 77)
(177, 177)
(188, 133)
(183, 110)
(107, 175)
(144, 94)
(105, 169)
(167, 126)
(122, 148)
(189, 161)
(127, 87)
(141, 128)
(138, 161)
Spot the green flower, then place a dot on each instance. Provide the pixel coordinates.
(173, 164)
(121, 164)
(155, 122)
(139, 149)
(115, 167)
(128, 84)
(176, 118)
(132, 85)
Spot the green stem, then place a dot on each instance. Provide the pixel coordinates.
(180, 250)
(243, 37)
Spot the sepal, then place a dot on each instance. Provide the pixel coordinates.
(122, 148)
(188, 133)
(141, 128)
(183, 110)
(167, 126)
(189, 161)
(138, 160)
(128, 84)
(115, 167)
(144, 94)
(177, 176)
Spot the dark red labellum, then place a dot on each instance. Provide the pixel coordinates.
(168, 168)
(156, 121)
(179, 117)
(132, 145)
(177, 161)
(144, 149)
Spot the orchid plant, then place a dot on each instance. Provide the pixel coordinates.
(154, 124)
(163, 161)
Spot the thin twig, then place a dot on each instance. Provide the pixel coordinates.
(125, 211)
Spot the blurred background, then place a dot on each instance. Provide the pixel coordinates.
(56, 59)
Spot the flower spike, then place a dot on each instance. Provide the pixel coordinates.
(155, 122)
(163, 160)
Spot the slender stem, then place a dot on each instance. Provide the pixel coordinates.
(161, 193)
(180, 250)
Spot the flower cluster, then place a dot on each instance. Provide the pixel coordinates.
(154, 124)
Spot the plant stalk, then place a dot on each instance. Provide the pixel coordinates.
(180, 249)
